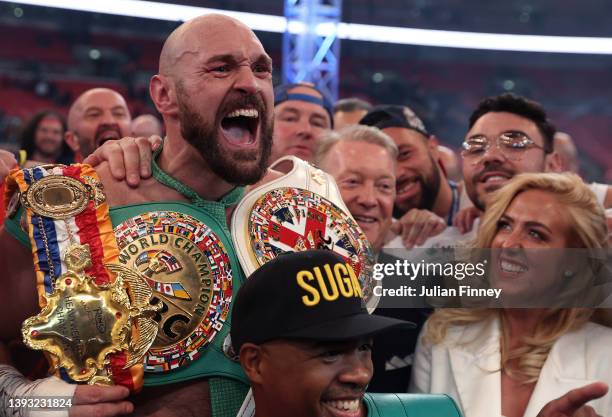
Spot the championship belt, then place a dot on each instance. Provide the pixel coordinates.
(96, 320)
(188, 268)
(301, 210)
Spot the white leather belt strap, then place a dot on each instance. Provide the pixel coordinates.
(301, 174)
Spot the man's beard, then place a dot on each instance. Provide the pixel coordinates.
(53, 150)
(478, 200)
(87, 145)
(228, 165)
(430, 186)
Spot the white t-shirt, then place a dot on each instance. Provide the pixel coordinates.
(600, 191)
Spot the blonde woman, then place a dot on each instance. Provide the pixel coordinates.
(511, 362)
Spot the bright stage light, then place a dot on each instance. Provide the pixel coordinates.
(353, 31)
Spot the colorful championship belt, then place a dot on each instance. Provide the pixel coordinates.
(96, 320)
(187, 266)
(301, 210)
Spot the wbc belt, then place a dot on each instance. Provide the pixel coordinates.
(189, 270)
(299, 211)
(94, 325)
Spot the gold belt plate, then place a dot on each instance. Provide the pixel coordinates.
(60, 197)
(84, 322)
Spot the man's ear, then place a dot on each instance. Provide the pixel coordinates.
(163, 94)
(552, 162)
(432, 147)
(72, 141)
(432, 144)
(251, 362)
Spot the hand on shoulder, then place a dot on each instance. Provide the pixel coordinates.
(128, 158)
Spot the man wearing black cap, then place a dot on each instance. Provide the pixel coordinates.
(301, 114)
(304, 339)
(426, 200)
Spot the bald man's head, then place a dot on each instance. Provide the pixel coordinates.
(214, 91)
(188, 39)
(146, 125)
(97, 115)
(450, 163)
(568, 155)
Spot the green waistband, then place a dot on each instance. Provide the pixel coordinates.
(410, 405)
(212, 361)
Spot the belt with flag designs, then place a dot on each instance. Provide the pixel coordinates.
(299, 211)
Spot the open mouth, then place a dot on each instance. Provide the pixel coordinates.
(365, 220)
(512, 267)
(494, 178)
(106, 135)
(407, 185)
(344, 408)
(239, 127)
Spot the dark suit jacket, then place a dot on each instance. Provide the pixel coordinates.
(394, 349)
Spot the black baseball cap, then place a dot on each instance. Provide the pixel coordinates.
(311, 295)
(282, 93)
(394, 116)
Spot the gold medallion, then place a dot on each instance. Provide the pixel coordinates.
(57, 197)
(83, 322)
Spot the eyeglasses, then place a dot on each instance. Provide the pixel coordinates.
(512, 144)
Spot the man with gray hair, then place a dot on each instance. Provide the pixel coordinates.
(362, 161)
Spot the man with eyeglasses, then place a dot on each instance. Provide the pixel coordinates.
(508, 135)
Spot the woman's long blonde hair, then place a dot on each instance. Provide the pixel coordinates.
(588, 222)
